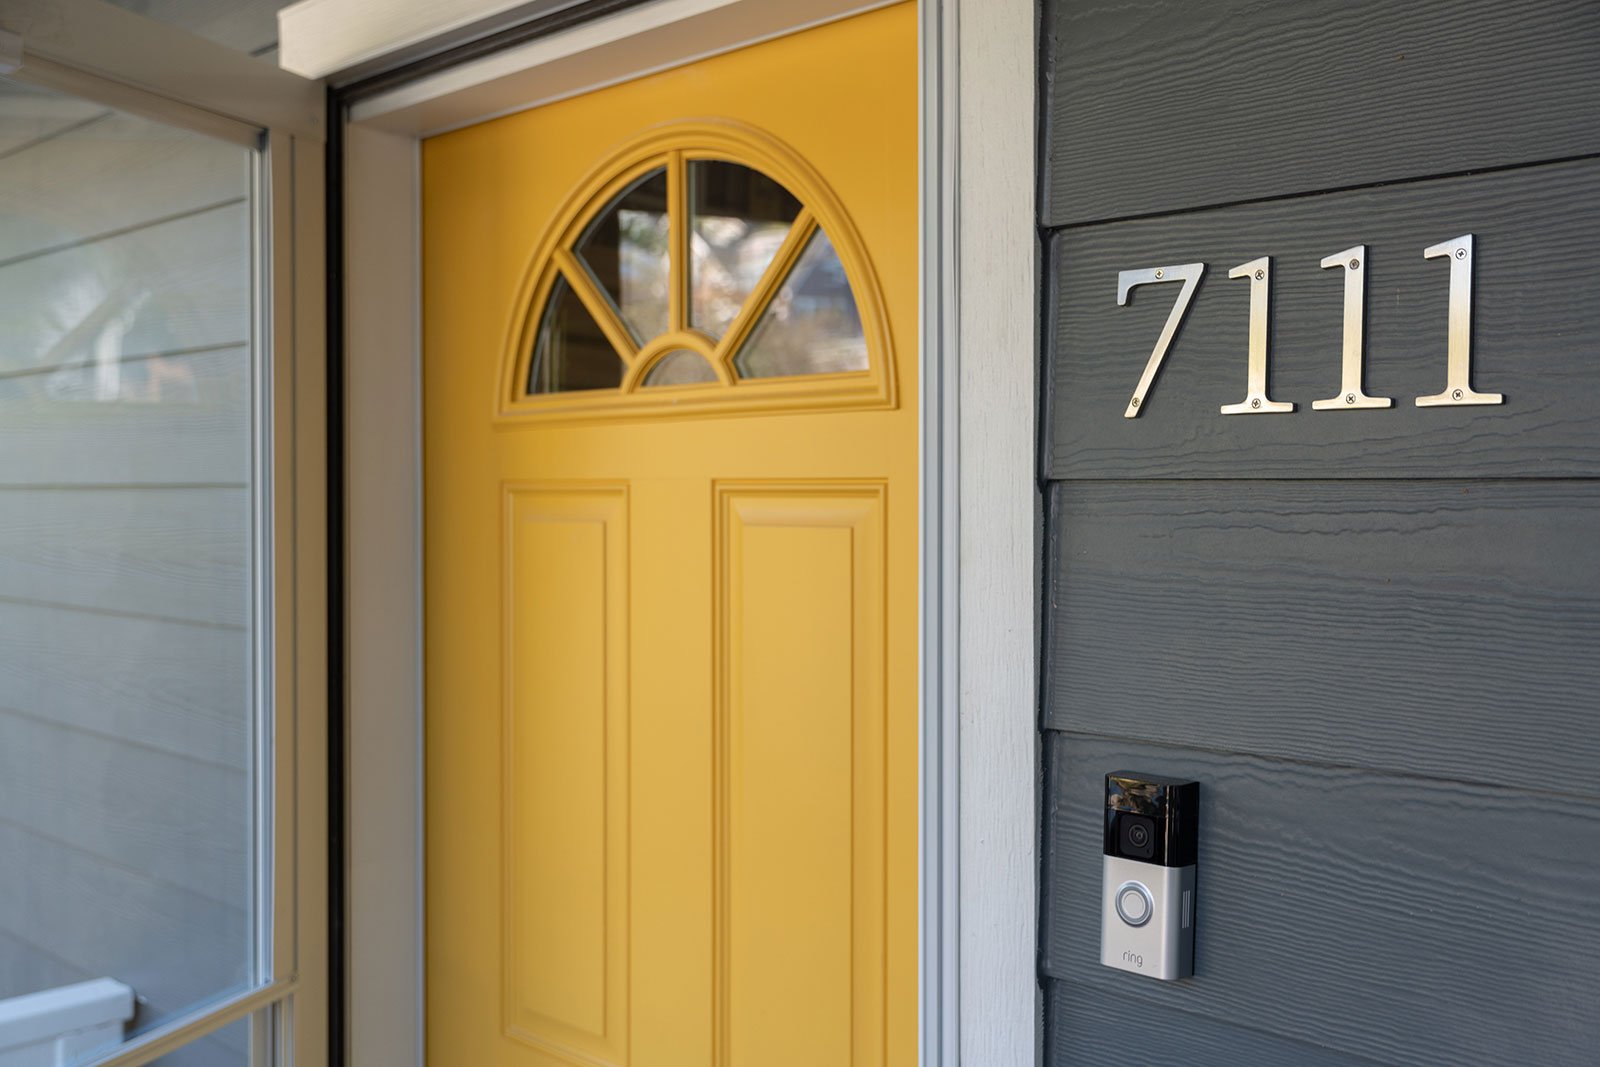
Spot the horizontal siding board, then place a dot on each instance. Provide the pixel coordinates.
(27, 968)
(171, 687)
(1535, 336)
(175, 948)
(195, 432)
(180, 284)
(181, 822)
(27, 115)
(1446, 629)
(173, 553)
(1089, 1025)
(1410, 921)
(109, 175)
(1164, 105)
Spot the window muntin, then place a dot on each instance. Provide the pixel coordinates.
(625, 249)
(811, 325)
(714, 222)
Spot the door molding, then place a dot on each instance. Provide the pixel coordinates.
(979, 749)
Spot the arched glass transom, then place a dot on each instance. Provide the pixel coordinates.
(691, 277)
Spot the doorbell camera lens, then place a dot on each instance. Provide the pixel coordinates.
(1138, 836)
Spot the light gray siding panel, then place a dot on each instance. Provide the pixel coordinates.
(176, 820)
(173, 946)
(173, 553)
(1535, 336)
(1411, 921)
(163, 685)
(179, 285)
(28, 968)
(28, 116)
(108, 176)
(1446, 629)
(196, 434)
(1166, 104)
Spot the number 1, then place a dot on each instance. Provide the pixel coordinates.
(1458, 354)
(1351, 396)
(1255, 401)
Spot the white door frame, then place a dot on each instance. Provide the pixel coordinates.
(979, 822)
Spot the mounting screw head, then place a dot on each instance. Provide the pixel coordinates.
(1135, 402)
(1349, 398)
(1260, 274)
(1461, 253)
(1256, 402)
(1160, 273)
(1455, 394)
(1355, 264)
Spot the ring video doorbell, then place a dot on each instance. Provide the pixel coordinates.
(1147, 909)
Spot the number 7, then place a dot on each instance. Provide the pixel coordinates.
(1127, 280)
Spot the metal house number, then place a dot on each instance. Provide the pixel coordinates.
(1458, 391)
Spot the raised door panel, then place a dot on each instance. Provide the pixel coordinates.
(800, 776)
(565, 825)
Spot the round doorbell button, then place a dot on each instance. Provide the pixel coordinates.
(1134, 904)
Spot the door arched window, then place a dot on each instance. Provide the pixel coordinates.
(703, 266)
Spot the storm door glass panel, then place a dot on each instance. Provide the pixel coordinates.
(739, 218)
(626, 250)
(811, 326)
(129, 658)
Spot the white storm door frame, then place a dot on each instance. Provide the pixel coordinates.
(98, 52)
(979, 749)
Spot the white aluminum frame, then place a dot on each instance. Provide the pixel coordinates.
(979, 825)
(98, 52)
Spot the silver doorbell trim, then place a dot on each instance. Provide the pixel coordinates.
(1147, 920)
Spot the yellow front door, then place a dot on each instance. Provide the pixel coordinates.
(671, 461)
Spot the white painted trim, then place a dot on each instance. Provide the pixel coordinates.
(998, 642)
(631, 43)
(35, 1018)
(385, 1002)
(348, 38)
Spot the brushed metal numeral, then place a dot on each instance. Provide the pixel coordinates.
(1189, 274)
(1256, 402)
(1351, 397)
(1458, 391)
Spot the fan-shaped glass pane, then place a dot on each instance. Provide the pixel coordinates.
(738, 218)
(811, 326)
(680, 367)
(625, 248)
(570, 352)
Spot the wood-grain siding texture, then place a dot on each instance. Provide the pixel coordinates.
(1370, 635)
(125, 649)
(1406, 920)
(1163, 105)
(1438, 628)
